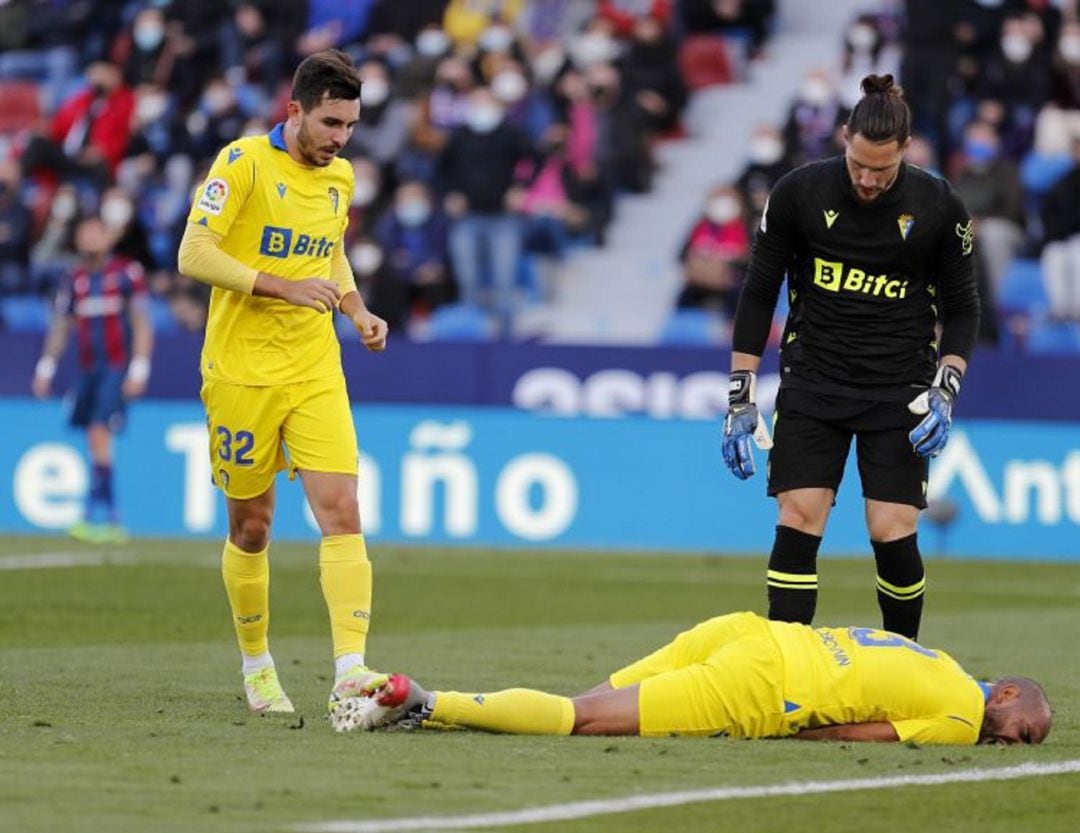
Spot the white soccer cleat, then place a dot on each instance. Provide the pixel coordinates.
(391, 705)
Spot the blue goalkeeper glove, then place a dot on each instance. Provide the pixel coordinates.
(742, 423)
(928, 438)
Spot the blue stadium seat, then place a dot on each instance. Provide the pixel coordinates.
(1054, 338)
(161, 316)
(459, 322)
(693, 326)
(25, 313)
(1022, 290)
(1038, 172)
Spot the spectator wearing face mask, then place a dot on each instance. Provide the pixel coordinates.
(253, 41)
(1065, 83)
(413, 239)
(814, 120)
(126, 233)
(386, 122)
(217, 120)
(1061, 252)
(651, 73)
(768, 161)
(482, 195)
(1018, 75)
(989, 184)
(89, 132)
(416, 76)
(528, 109)
(863, 55)
(369, 198)
(465, 21)
(715, 253)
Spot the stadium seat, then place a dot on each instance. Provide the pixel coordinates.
(22, 107)
(693, 326)
(1022, 290)
(25, 313)
(1054, 338)
(161, 316)
(704, 61)
(1039, 172)
(458, 322)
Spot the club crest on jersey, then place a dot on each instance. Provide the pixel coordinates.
(214, 196)
(966, 233)
(905, 222)
(333, 194)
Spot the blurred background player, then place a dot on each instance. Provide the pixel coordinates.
(266, 231)
(103, 300)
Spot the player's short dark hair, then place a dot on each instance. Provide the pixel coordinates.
(882, 114)
(330, 73)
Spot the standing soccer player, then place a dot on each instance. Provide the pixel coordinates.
(265, 231)
(104, 301)
(878, 257)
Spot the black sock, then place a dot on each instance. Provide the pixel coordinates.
(901, 584)
(792, 576)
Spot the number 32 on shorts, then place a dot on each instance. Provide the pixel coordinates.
(235, 447)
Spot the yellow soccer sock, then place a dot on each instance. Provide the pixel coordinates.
(518, 711)
(345, 574)
(247, 583)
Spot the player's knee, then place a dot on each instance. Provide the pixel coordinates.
(340, 514)
(250, 533)
(892, 523)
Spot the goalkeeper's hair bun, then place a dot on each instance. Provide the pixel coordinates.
(872, 84)
(881, 115)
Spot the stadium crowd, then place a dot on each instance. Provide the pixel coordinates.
(496, 134)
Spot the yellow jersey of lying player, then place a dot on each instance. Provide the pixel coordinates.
(865, 675)
(286, 219)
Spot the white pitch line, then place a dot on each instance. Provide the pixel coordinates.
(50, 560)
(585, 809)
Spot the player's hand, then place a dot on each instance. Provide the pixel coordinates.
(743, 423)
(316, 293)
(41, 387)
(133, 388)
(373, 330)
(928, 438)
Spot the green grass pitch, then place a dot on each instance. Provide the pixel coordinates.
(120, 697)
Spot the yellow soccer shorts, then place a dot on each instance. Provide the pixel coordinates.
(721, 677)
(251, 428)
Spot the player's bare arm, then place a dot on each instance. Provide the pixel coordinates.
(142, 346)
(863, 732)
(373, 330)
(45, 369)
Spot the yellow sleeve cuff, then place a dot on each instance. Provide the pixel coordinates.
(200, 257)
(341, 271)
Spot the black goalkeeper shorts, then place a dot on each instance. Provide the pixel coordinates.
(812, 436)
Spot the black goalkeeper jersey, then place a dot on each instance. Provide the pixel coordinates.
(866, 282)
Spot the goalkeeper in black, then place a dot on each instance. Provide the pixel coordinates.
(884, 313)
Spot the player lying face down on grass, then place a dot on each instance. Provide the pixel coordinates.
(744, 676)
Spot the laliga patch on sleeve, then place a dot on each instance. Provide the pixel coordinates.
(214, 196)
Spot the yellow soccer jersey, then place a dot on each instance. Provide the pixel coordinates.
(864, 675)
(285, 219)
